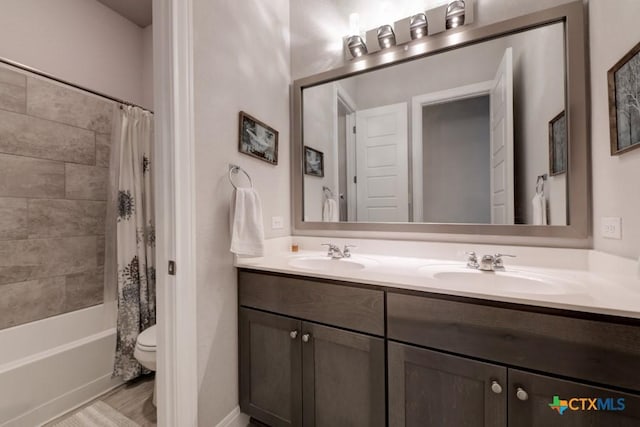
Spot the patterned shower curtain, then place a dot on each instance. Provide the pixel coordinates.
(135, 237)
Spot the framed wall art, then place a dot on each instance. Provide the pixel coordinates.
(258, 139)
(624, 102)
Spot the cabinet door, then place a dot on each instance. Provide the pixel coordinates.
(270, 368)
(343, 378)
(432, 389)
(532, 406)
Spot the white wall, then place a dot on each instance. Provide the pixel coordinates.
(241, 55)
(147, 67)
(81, 41)
(320, 123)
(613, 32)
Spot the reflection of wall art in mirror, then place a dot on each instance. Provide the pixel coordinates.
(313, 162)
(257, 139)
(624, 102)
(558, 144)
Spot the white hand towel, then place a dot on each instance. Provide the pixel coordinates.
(247, 230)
(330, 211)
(539, 203)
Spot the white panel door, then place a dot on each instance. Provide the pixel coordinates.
(382, 164)
(502, 187)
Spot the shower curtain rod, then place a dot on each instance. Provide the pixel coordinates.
(49, 76)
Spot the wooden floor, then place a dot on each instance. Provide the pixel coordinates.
(133, 400)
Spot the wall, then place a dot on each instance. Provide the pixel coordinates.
(456, 156)
(81, 41)
(146, 77)
(613, 32)
(320, 123)
(241, 59)
(54, 159)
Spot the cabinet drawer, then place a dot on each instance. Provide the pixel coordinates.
(594, 350)
(345, 306)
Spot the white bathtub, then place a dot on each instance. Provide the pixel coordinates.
(50, 366)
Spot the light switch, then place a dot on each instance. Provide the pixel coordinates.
(612, 228)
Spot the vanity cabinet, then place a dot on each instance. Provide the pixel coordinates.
(430, 388)
(295, 371)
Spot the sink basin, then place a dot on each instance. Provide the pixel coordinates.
(325, 263)
(514, 281)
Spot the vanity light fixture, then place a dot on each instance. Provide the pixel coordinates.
(356, 46)
(386, 36)
(455, 14)
(418, 26)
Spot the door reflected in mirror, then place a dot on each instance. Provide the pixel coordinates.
(459, 137)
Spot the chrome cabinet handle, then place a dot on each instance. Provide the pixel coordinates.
(496, 387)
(522, 394)
(305, 337)
(293, 334)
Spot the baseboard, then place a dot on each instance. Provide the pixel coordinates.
(235, 418)
(66, 403)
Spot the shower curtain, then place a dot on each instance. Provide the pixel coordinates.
(135, 241)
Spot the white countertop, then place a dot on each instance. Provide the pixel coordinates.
(607, 291)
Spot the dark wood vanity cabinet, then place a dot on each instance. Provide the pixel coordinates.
(297, 372)
(312, 353)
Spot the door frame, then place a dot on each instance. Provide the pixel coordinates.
(417, 103)
(177, 372)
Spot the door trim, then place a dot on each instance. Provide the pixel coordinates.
(417, 103)
(177, 373)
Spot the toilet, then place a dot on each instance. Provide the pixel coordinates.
(145, 352)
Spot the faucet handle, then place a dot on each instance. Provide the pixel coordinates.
(497, 260)
(330, 248)
(472, 260)
(347, 250)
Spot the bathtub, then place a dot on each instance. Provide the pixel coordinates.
(51, 366)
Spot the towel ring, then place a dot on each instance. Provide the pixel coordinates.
(235, 169)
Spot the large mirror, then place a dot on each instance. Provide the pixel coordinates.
(478, 128)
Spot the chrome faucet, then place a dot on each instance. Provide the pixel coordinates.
(334, 251)
(487, 262)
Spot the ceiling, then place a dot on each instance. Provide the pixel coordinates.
(136, 11)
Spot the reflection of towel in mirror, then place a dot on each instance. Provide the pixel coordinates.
(539, 209)
(330, 210)
(247, 230)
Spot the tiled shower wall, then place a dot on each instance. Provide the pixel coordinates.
(54, 159)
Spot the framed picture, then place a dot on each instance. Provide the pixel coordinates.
(257, 139)
(558, 144)
(624, 102)
(313, 162)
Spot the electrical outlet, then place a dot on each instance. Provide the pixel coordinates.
(277, 223)
(612, 228)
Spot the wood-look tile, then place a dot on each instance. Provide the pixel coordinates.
(32, 300)
(22, 260)
(134, 401)
(62, 104)
(86, 182)
(27, 177)
(84, 289)
(34, 137)
(13, 93)
(103, 149)
(13, 218)
(65, 218)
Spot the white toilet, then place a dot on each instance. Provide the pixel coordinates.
(145, 352)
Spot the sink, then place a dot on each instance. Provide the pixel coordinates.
(320, 263)
(512, 281)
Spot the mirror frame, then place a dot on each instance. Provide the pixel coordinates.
(576, 234)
